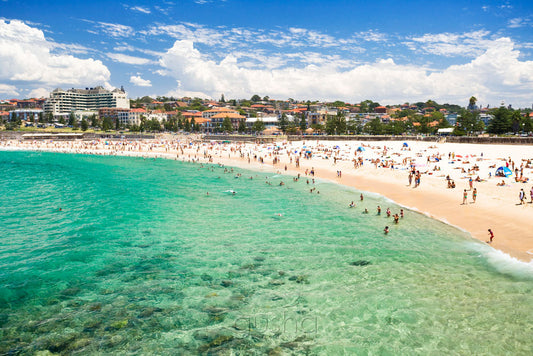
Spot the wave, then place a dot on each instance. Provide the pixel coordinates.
(505, 263)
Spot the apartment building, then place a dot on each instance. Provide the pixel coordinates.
(63, 102)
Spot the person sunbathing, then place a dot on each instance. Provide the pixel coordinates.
(501, 184)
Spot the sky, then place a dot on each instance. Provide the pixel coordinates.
(388, 51)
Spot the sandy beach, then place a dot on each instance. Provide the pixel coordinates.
(379, 167)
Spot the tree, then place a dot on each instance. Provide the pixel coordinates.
(71, 119)
(303, 123)
(472, 103)
(516, 121)
(187, 125)
(49, 117)
(107, 124)
(242, 126)
(226, 125)
(258, 126)
(283, 123)
(193, 125)
(336, 124)
(84, 124)
(501, 123)
(528, 124)
(468, 122)
(94, 120)
(255, 98)
(222, 100)
(374, 127)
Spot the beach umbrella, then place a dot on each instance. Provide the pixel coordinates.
(360, 149)
(405, 144)
(503, 171)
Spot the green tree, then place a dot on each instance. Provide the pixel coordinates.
(193, 124)
(283, 122)
(84, 124)
(468, 122)
(226, 125)
(472, 102)
(516, 121)
(374, 127)
(255, 98)
(94, 120)
(528, 124)
(107, 124)
(187, 125)
(258, 126)
(242, 126)
(303, 123)
(71, 119)
(222, 100)
(49, 117)
(501, 123)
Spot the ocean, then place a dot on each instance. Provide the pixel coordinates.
(121, 255)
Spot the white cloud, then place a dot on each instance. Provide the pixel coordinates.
(469, 44)
(115, 30)
(518, 22)
(144, 10)
(496, 74)
(140, 82)
(39, 93)
(8, 89)
(27, 56)
(124, 58)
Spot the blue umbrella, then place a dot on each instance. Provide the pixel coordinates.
(503, 171)
(405, 144)
(360, 149)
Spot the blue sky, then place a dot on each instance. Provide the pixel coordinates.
(386, 51)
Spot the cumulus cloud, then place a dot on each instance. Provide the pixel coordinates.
(494, 75)
(8, 89)
(27, 56)
(140, 82)
(39, 93)
(124, 58)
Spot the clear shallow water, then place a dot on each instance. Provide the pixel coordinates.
(140, 260)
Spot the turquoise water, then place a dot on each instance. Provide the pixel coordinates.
(140, 260)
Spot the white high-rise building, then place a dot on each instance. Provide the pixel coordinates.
(63, 102)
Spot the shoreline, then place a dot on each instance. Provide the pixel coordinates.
(513, 228)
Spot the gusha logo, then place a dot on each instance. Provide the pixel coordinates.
(286, 324)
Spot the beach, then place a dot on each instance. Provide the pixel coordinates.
(384, 170)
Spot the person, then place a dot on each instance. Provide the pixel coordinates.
(401, 213)
(465, 196)
(366, 211)
(352, 205)
(386, 230)
(474, 195)
(388, 212)
(363, 198)
(501, 184)
(522, 196)
(396, 218)
(379, 210)
(470, 183)
(491, 236)
(531, 194)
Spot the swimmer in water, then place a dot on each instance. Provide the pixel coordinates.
(352, 205)
(366, 211)
(386, 230)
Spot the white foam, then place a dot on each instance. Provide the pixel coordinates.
(504, 263)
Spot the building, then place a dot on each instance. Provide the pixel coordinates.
(63, 102)
(25, 114)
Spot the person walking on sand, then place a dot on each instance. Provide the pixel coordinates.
(522, 196)
(531, 194)
(474, 195)
(491, 236)
(465, 197)
(470, 183)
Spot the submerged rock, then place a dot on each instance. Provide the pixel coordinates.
(206, 277)
(299, 279)
(226, 283)
(68, 292)
(148, 312)
(360, 263)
